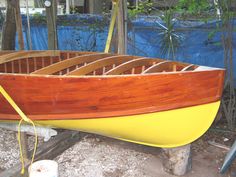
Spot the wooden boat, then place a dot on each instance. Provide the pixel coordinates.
(143, 100)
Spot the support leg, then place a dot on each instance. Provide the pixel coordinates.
(177, 161)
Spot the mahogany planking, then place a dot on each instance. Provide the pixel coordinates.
(60, 97)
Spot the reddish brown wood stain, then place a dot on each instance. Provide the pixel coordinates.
(55, 97)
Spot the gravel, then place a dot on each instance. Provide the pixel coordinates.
(93, 157)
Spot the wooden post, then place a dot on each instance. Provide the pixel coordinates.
(177, 161)
(121, 27)
(24, 142)
(9, 28)
(19, 25)
(95, 6)
(51, 14)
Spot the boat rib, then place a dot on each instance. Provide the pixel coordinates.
(132, 64)
(109, 61)
(84, 59)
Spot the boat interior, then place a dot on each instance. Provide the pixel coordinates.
(73, 63)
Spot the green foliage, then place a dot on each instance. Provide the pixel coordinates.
(144, 7)
(193, 7)
(38, 18)
(170, 41)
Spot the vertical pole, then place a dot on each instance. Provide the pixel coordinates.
(24, 141)
(28, 25)
(110, 38)
(73, 6)
(67, 6)
(19, 25)
(121, 27)
(9, 28)
(51, 13)
(95, 6)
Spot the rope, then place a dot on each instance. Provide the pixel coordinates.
(23, 118)
(112, 25)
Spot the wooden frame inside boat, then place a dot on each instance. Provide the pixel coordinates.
(73, 90)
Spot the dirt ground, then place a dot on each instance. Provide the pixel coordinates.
(97, 156)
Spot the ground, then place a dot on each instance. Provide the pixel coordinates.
(97, 156)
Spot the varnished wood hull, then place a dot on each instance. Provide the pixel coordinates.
(43, 98)
(137, 100)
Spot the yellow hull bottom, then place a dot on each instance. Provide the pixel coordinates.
(162, 129)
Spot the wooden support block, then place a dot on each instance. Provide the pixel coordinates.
(177, 161)
(49, 150)
(24, 145)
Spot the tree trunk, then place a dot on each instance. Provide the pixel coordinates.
(38, 3)
(19, 25)
(9, 27)
(122, 27)
(51, 14)
(95, 7)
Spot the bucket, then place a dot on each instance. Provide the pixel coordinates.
(44, 168)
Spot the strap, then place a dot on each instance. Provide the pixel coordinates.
(23, 118)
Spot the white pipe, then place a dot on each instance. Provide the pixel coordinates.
(44, 132)
(73, 6)
(67, 6)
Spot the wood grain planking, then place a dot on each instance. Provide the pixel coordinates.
(93, 66)
(132, 64)
(189, 67)
(27, 64)
(94, 97)
(27, 54)
(166, 66)
(4, 52)
(70, 62)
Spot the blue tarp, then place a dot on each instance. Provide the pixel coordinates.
(198, 45)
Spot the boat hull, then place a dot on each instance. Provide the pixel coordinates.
(138, 99)
(53, 97)
(171, 128)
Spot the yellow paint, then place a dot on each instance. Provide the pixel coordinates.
(162, 129)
